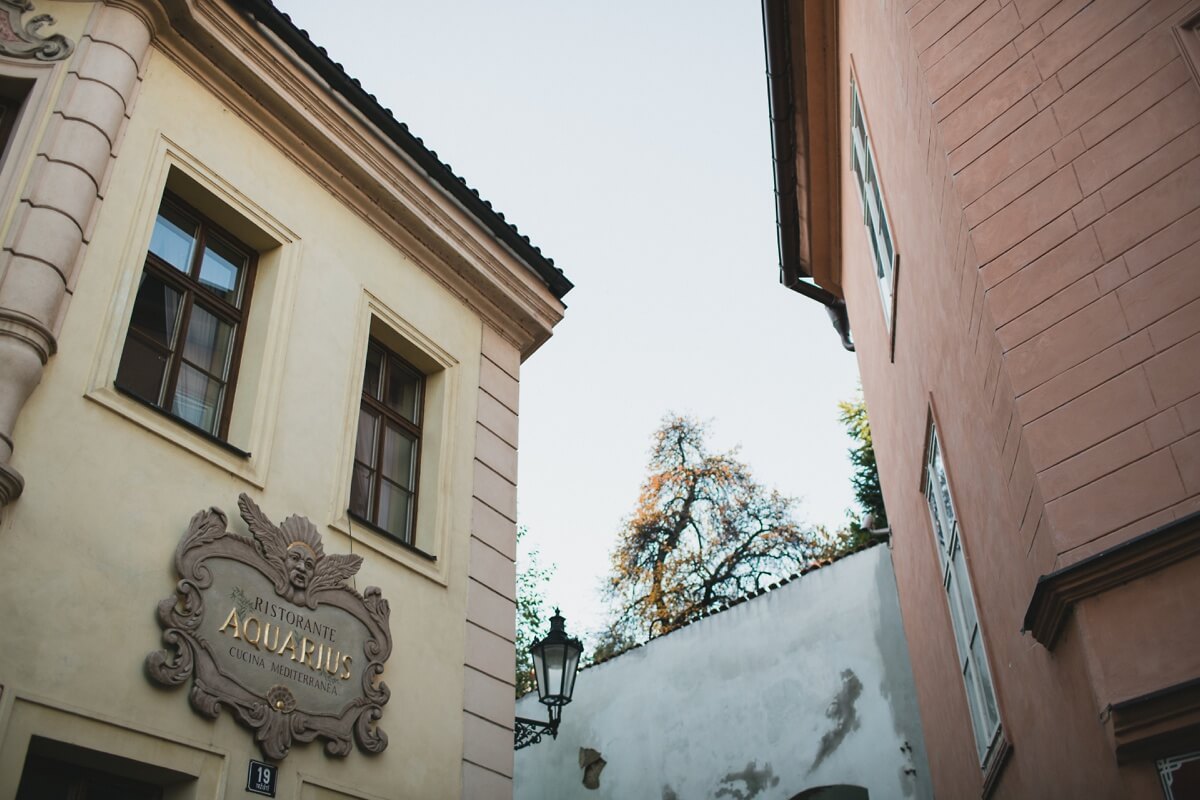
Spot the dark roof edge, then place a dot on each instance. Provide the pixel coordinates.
(335, 75)
(780, 92)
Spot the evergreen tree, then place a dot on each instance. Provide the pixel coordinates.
(867, 491)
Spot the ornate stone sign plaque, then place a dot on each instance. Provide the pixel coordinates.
(267, 627)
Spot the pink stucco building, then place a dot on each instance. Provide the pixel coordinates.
(1000, 201)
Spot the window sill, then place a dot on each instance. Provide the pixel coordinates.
(993, 765)
(198, 442)
(196, 429)
(412, 548)
(365, 534)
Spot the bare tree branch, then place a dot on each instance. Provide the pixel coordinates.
(704, 533)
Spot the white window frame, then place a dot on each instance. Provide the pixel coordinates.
(880, 240)
(968, 639)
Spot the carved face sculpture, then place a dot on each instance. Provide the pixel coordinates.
(301, 561)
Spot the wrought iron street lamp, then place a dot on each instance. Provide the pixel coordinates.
(555, 662)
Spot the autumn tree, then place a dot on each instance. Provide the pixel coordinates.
(704, 533)
(531, 612)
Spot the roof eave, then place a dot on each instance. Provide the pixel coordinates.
(802, 74)
(442, 176)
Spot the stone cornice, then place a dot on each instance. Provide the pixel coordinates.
(995, 764)
(1056, 593)
(1161, 723)
(251, 70)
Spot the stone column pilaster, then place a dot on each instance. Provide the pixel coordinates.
(53, 221)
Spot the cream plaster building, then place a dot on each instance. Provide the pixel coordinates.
(227, 269)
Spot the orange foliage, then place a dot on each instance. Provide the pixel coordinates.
(703, 533)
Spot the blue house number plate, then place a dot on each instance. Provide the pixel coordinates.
(260, 779)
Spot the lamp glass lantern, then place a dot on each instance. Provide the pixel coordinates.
(555, 662)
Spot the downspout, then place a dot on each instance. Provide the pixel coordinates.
(834, 306)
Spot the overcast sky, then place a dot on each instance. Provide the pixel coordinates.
(629, 139)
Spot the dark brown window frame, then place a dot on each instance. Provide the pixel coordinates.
(387, 415)
(189, 287)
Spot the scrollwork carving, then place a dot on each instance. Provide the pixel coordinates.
(22, 39)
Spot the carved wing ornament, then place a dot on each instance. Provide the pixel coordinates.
(266, 626)
(22, 39)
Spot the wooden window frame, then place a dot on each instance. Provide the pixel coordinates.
(189, 286)
(388, 415)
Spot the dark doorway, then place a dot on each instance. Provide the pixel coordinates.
(49, 779)
(60, 771)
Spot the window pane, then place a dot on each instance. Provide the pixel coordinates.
(208, 342)
(197, 398)
(156, 310)
(885, 234)
(974, 700)
(399, 456)
(364, 443)
(943, 486)
(403, 390)
(874, 251)
(372, 372)
(933, 515)
(394, 503)
(173, 238)
(555, 660)
(221, 270)
(883, 264)
(872, 195)
(956, 620)
(858, 156)
(964, 589)
(990, 715)
(362, 483)
(142, 370)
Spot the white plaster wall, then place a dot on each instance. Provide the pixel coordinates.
(736, 705)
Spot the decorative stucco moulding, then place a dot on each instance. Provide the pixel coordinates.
(267, 627)
(21, 39)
